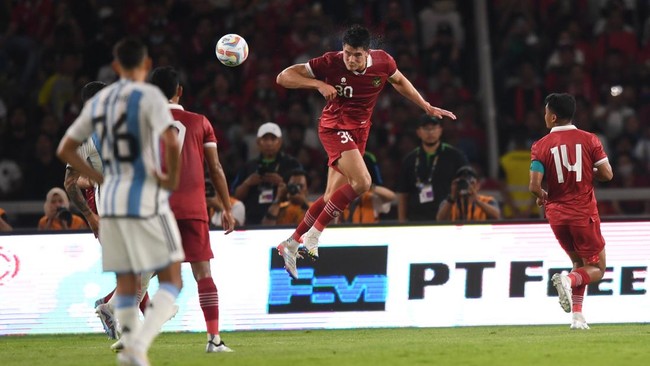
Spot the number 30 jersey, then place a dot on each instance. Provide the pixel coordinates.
(569, 156)
(357, 92)
(129, 118)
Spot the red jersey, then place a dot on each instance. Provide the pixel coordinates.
(188, 200)
(357, 91)
(569, 156)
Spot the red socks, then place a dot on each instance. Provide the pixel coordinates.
(336, 204)
(108, 297)
(209, 302)
(310, 217)
(577, 297)
(144, 302)
(579, 277)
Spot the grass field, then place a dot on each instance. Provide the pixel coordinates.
(627, 344)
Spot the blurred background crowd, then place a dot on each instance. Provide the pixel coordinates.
(598, 50)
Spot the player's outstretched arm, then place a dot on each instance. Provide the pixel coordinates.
(404, 86)
(298, 77)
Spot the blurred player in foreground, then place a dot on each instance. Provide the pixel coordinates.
(350, 80)
(198, 144)
(74, 183)
(137, 227)
(570, 159)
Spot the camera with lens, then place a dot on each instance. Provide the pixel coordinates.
(293, 188)
(63, 214)
(463, 186)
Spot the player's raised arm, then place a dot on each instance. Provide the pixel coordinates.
(404, 86)
(298, 77)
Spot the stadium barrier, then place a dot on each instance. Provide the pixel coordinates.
(399, 276)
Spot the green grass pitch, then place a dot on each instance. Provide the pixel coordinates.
(619, 345)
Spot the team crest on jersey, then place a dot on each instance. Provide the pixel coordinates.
(376, 81)
(343, 80)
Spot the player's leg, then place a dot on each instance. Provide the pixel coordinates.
(154, 243)
(209, 302)
(353, 169)
(105, 308)
(562, 282)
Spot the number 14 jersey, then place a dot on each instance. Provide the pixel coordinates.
(569, 156)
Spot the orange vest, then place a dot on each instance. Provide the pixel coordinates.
(361, 211)
(472, 213)
(77, 224)
(290, 213)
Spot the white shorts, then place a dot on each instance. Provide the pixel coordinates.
(136, 245)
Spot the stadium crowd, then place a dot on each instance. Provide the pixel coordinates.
(598, 50)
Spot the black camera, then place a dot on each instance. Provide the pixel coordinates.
(64, 214)
(294, 188)
(463, 186)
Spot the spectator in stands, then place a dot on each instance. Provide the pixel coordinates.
(258, 181)
(517, 200)
(426, 174)
(464, 203)
(292, 202)
(57, 213)
(4, 222)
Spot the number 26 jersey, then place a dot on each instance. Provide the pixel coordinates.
(569, 156)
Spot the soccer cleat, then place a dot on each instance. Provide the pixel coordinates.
(579, 322)
(212, 347)
(118, 346)
(311, 243)
(288, 249)
(105, 315)
(130, 358)
(563, 285)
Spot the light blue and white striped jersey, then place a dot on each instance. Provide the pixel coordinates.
(128, 118)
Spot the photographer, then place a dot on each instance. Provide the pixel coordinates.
(57, 213)
(292, 203)
(464, 203)
(256, 184)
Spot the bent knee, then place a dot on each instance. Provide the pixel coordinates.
(362, 184)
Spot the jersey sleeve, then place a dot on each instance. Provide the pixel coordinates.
(598, 152)
(391, 65)
(82, 127)
(318, 65)
(534, 152)
(209, 138)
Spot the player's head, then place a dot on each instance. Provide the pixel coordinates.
(166, 78)
(131, 59)
(560, 108)
(356, 43)
(90, 89)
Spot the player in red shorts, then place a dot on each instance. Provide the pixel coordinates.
(350, 80)
(570, 159)
(188, 202)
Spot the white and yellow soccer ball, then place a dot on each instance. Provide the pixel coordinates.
(232, 50)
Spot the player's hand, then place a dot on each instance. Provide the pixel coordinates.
(227, 221)
(327, 91)
(93, 222)
(542, 200)
(167, 181)
(439, 112)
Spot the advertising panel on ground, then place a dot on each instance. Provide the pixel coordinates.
(406, 276)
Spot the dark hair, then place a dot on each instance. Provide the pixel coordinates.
(300, 173)
(357, 36)
(130, 52)
(90, 89)
(165, 78)
(466, 171)
(561, 104)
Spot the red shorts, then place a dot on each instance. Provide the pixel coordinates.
(587, 241)
(196, 240)
(337, 141)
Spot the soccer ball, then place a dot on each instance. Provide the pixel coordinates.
(232, 50)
